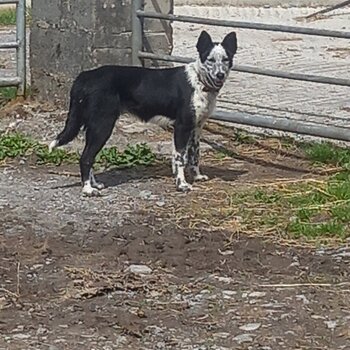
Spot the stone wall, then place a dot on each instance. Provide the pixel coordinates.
(68, 36)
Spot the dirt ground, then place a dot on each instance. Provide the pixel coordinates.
(131, 269)
(126, 271)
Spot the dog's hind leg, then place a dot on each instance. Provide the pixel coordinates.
(182, 135)
(99, 129)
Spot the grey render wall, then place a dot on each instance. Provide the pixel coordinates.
(68, 36)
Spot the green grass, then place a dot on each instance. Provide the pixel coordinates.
(8, 93)
(19, 146)
(327, 153)
(313, 209)
(7, 17)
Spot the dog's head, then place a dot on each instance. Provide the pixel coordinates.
(215, 59)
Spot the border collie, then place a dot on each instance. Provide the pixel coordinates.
(185, 96)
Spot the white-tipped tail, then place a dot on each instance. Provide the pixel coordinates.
(53, 145)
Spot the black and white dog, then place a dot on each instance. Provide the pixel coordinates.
(185, 96)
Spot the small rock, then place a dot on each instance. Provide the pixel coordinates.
(243, 338)
(21, 336)
(53, 347)
(160, 345)
(317, 317)
(160, 203)
(250, 327)
(41, 331)
(225, 279)
(257, 294)
(228, 293)
(145, 194)
(331, 324)
(342, 255)
(37, 266)
(139, 269)
(303, 298)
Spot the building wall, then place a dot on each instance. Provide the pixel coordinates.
(69, 36)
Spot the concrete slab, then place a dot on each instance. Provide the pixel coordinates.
(294, 53)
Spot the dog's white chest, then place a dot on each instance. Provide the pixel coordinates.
(203, 104)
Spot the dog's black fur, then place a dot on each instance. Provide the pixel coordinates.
(184, 95)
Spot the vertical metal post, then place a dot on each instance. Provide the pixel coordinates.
(137, 32)
(21, 50)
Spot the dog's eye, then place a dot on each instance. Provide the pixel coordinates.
(211, 60)
(225, 59)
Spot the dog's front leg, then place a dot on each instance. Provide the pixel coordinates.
(182, 134)
(193, 156)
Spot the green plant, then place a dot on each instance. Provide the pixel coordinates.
(8, 93)
(17, 145)
(327, 153)
(312, 209)
(7, 16)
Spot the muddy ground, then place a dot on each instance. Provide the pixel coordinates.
(129, 270)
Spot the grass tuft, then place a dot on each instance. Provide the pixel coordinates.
(8, 93)
(7, 16)
(17, 145)
(313, 210)
(327, 153)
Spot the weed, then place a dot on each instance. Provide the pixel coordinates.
(139, 154)
(17, 145)
(8, 17)
(223, 153)
(327, 153)
(312, 210)
(316, 230)
(242, 136)
(8, 93)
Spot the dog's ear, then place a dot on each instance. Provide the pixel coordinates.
(204, 45)
(230, 44)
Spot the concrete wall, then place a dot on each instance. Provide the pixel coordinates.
(68, 36)
(256, 3)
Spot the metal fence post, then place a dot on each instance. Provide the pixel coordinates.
(137, 32)
(21, 49)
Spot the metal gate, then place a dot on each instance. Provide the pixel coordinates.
(264, 121)
(20, 45)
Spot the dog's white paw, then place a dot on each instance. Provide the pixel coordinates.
(184, 187)
(201, 177)
(98, 185)
(90, 191)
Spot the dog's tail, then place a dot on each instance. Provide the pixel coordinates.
(73, 124)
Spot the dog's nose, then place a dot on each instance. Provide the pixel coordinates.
(220, 76)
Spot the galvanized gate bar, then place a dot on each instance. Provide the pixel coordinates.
(262, 121)
(20, 45)
(136, 39)
(247, 25)
(255, 70)
(21, 50)
(10, 45)
(294, 126)
(10, 82)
